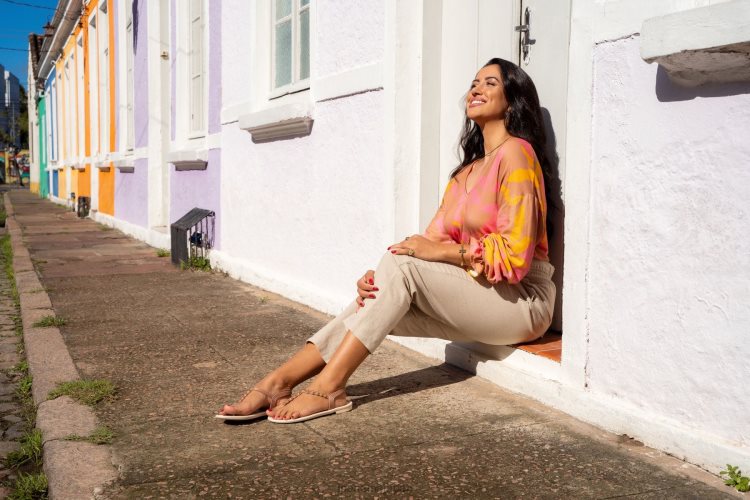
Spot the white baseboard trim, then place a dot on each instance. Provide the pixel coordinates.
(156, 239)
(61, 201)
(249, 272)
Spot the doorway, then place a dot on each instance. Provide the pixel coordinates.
(531, 33)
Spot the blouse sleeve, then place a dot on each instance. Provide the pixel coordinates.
(507, 253)
(436, 229)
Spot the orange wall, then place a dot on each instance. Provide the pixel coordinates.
(107, 179)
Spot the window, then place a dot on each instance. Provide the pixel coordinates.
(69, 112)
(52, 124)
(197, 66)
(93, 89)
(291, 46)
(79, 109)
(104, 98)
(130, 137)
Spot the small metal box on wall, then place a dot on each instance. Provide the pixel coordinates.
(192, 236)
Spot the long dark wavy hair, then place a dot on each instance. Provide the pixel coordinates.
(523, 119)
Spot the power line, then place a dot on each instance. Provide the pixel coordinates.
(33, 6)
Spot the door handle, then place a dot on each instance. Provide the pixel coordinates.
(525, 31)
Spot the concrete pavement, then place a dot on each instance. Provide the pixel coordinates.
(178, 344)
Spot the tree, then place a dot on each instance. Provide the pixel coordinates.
(23, 119)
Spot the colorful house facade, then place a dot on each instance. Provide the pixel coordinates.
(320, 132)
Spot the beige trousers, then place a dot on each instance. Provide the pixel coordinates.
(417, 298)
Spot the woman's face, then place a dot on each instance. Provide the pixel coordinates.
(486, 99)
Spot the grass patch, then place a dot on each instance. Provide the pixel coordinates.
(160, 252)
(88, 392)
(30, 451)
(50, 321)
(24, 387)
(7, 254)
(29, 487)
(101, 435)
(21, 367)
(3, 217)
(196, 263)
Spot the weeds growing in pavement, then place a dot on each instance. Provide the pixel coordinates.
(3, 216)
(160, 252)
(29, 452)
(88, 392)
(735, 478)
(196, 263)
(29, 487)
(24, 387)
(50, 321)
(101, 435)
(7, 253)
(30, 482)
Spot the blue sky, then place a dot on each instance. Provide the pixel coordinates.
(16, 22)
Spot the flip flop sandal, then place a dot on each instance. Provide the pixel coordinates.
(330, 411)
(272, 400)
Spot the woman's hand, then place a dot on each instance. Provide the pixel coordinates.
(420, 247)
(365, 287)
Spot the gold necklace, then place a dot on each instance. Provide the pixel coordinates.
(486, 157)
(501, 143)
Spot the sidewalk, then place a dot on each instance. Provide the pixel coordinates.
(178, 344)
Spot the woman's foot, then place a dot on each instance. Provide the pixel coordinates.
(312, 400)
(267, 394)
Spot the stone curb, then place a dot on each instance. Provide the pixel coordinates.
(74, 469)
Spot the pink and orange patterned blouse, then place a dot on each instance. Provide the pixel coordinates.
(502, 218)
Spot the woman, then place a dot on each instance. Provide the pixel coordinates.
(479, 273)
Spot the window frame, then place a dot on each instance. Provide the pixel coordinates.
(103, 79)
(68, 95)
(93, 57)
(297, 84)
(130, 83)
(80, 94)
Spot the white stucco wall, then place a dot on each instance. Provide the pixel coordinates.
(304, 217)
(304, 214)
(669, 260)
(351, 33)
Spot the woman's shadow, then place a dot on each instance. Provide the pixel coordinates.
(406, 383)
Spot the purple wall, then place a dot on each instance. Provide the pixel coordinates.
(197, 188)
(131, 194)
(140, 74)
(214, 67)
(131, 189)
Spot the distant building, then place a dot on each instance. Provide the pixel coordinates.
(10, 108)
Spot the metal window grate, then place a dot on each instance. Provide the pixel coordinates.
(192, 236)
(83, 206)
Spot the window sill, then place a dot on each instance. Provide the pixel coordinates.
(704, 45)
(189, 159)
(125, 165)
(278, 123)
(103, 165)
